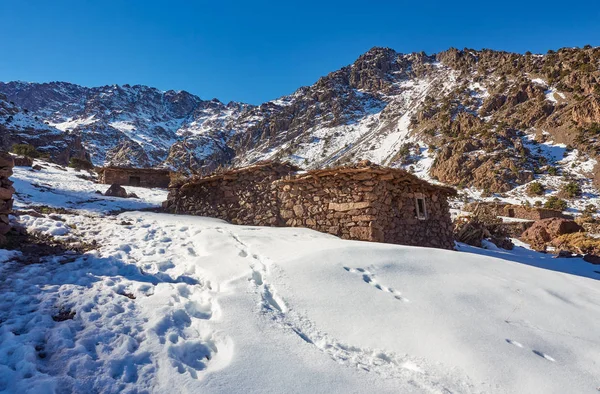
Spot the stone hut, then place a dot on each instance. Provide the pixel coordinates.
(143, 177)
(363, 202)
(6, 193)
(514, 211)
(240, 196)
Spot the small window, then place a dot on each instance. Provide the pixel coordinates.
(421, 210)
(134, 181)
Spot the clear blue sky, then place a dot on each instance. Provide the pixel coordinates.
(254, 51)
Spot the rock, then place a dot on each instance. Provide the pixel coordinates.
(29, 212)
(116, 191)
(6, 160)
(503, 242)
(592, 259)
(563, 254)
(544, 231)
(4, 228)
(6, 172)
(36, 167)
(6, 193)
(23, 161)
(132, 195)
(348, 206)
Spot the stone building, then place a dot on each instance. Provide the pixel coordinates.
(514, 211)
(363, 202)
(143, 177)
(6, 193)
(240, 196)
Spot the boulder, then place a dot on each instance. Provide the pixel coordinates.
(6, 160)
(23, 161)
(544, 231)
(592, 259)
(116, 190)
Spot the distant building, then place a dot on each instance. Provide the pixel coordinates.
(143, 177)
(363, 202)
(514, 211)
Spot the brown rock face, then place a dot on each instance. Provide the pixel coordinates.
(544, 231)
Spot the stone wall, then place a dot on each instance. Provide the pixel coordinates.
(143, 177)
(368, 206)
(244, 196)
(364, 203)
(514, 211)
(6, 193)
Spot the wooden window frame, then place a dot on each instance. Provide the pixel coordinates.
(421, 215)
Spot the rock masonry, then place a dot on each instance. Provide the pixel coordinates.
(363, 202)
(514, 211)
(6, 193)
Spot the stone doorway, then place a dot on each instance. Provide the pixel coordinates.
(134, 181)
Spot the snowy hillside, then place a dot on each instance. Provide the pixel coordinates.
(123, 125)
(168, 303)
(489, 122)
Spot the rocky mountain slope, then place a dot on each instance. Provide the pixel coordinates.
(486, 119)
(130, 125)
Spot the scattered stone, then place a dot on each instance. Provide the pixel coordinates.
(37, 167)
(128, 295)
(64, 314)
(544, 231)
(592, 259)
(563, 254)
(23, 161)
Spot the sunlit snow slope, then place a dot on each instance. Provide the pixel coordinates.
(188, 304)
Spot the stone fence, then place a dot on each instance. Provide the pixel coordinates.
(6, 194)
(513, 211)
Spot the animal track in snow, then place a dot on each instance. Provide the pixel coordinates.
(536, 352)
(369, 278)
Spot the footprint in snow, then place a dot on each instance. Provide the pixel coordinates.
(536, 352)
(369, 278)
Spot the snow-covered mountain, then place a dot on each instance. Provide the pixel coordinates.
(126, 125)
(488, 120)
(18, 125)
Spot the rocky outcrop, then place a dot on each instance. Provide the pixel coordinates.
(19, 126)
(544, 231)
(6, 193)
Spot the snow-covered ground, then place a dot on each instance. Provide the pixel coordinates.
(188, 304)
(62, 187)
